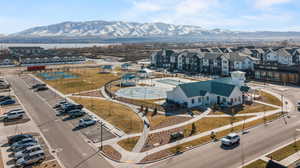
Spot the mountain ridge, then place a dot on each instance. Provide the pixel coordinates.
(117, 29)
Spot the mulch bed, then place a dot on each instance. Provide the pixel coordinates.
(111, 152)
(160, 138)
(156, 156)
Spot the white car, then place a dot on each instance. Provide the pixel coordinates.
(28, 150)
(230, 139)
(31, 158)
(13, 115)
(85, 122)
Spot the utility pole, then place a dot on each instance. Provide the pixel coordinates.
(101, 131)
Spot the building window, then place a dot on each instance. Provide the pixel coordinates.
(207, 98)
(199, 100)
(193, 101)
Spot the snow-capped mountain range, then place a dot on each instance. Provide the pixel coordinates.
(117, 29)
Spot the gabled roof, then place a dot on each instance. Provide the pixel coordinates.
(212, 86)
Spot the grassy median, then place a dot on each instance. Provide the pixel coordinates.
(118, 115)
(285, 151)
(257, 164)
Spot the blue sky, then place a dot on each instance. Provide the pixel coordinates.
(243, 15)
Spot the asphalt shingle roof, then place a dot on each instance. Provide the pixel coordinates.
(201, 88)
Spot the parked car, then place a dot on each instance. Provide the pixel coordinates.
(13, 115)
(7, 102)
(18, 137)
(230, 139)
(42, 88)
(23, 141)
(70, 107)
(3, 98)
(298, 106)
(38, 85)
(76, 113)
(85, 122)
(24, 146)
(4, 86)
(28, 150)
(31, 158)
(61, 103)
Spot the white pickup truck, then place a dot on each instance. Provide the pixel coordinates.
(230, 139)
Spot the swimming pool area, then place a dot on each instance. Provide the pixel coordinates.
(142, 93)
(57, 75)
(173, 82)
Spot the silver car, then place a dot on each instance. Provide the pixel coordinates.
(31, 158)
(27, 151)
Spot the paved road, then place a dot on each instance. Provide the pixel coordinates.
(72, 149)
(259, 141)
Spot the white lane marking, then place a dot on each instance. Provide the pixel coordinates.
(42, 135)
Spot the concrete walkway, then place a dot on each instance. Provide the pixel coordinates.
(204, 134)
(110, 127)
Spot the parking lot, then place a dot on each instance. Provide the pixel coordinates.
(8, 154)
(10, 126)
(7, 108)
(93, 133)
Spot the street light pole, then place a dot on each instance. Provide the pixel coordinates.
(101, 131)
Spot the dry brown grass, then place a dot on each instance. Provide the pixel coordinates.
(253, 108)
(129, 143)
(161, 121)
(118, 115)
(257, 164)
(285, 151)
(206, 139)
(227, 131)
(268, 98)
(51, 164)
(111, 152)
(1, 161)
(89, 79)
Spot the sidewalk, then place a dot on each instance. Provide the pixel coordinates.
(110, 127)
(204, 134)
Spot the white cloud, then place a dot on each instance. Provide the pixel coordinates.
(225, 14)
(146, 6)
(269, 3)
(194, 6)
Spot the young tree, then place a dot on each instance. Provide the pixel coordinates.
(194, 129)
(154, 112)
